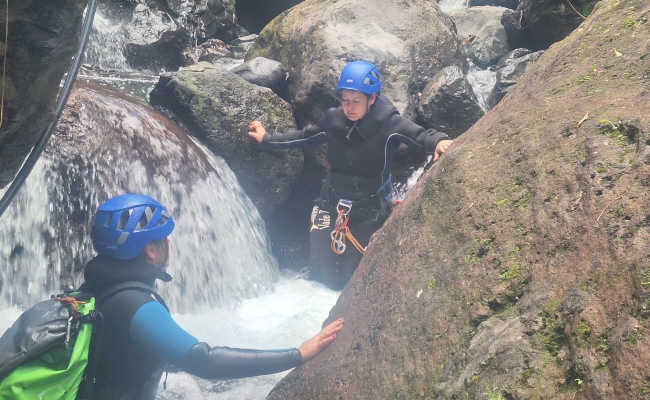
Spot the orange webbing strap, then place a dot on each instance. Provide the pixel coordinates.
(71, 301)
(341, 232)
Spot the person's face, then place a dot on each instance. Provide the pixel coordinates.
(356, 104)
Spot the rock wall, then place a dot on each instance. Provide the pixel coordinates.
(43, 37)
(518, 267)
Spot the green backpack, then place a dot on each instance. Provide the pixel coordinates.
(48, 352)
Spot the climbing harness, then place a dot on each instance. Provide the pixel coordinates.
(70, 79)
(341, 230)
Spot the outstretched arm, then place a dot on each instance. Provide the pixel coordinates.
(153, 328)
(310, 135)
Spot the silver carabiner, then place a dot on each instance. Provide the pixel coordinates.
(345, 206)
(68, 331)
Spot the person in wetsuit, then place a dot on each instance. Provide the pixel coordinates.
(138, 335)
(361, 135)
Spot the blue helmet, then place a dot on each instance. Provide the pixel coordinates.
(125, 224)
(361, 76)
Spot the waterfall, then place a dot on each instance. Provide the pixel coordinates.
(219, 252)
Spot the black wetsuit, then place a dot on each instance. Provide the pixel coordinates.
(140, 338)
(359, 154)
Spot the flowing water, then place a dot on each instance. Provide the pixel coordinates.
(227, 287)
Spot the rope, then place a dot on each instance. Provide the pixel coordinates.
(574, 9)
(70, 79)
(4, 66)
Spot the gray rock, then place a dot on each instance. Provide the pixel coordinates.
(263, 72)
(511, 68)
(448, 103)
(409, 42)
(217, 106)
(512, 4)
(43, 36)
(482, 34)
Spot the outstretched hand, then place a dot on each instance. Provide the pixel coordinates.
(442, 146)
(257, 131)
(315, 345)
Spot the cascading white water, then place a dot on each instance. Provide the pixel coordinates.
(227, 284)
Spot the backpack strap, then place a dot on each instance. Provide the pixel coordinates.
(88, 386)
(129, 285)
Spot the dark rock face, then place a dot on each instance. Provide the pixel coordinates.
(218, 106)
(211, 50)
(518, 266)
(254, 14)
(43, 37)
(409, 42)
(448, 103)
(512, 4)
(510, 69)
(538, 24)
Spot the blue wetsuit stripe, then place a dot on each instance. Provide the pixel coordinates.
(154, 329)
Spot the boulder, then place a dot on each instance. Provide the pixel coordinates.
(539, 213)
(217, 106)
(509, 70)
(536, 24)
(263, 72)
(482, 34)
(254, 14)
(512, 4)
(43, 37)
(448, 103)
(409, 42)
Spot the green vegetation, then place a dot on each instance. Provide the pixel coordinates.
(621, 133)
(511, 273)
(433, 283)
(645, 289)
(479, 249)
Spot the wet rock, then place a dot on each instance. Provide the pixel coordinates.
(510, 69)
(217, 106)
(496, 3)
(165, 54)
(549, 231)
(539, 23)
(211, 50)
(255, 14)
(264, 72)
(482, 34)
(154, 34)
(242, 44)
(448, 103)
(43, 37)
(409, 42)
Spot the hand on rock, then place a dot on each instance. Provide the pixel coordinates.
(315, 345)
(257, 131)
(442, 146)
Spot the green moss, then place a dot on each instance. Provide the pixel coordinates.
(511, 273)
(480, 248)
(583, 330)
(433, 283)
(645, 290)
(501, 202)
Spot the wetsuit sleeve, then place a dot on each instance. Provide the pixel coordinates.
(311, 135)
(407, 131)
(154, 329)
(225, 362)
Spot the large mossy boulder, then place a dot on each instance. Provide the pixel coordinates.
(409, 41)
(217, 106)
(43, 37)
(519, 266)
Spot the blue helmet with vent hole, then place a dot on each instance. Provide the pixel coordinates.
(126, 223)
(361, 76)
